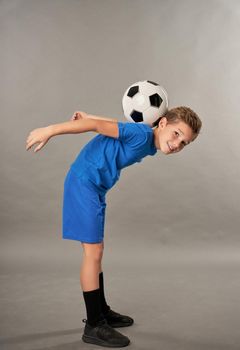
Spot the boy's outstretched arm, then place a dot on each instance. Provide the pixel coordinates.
(101, 125)
(42, 135)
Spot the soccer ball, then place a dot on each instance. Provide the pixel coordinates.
(145, 102)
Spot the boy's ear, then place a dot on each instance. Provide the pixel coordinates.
(163, 122)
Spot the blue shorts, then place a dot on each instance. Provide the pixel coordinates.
(83, 214)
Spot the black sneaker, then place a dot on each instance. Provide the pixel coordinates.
(104, 335)
(114, 319)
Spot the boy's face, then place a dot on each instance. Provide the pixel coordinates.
(172, 138)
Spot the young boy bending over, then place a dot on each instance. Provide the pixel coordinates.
(95, 170)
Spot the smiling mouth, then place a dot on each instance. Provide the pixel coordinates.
(169, 147)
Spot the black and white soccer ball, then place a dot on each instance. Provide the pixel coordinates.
(145, 102)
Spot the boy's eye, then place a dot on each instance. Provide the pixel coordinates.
(176, 133)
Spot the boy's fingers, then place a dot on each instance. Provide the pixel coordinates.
(39, 147)
(30, 144)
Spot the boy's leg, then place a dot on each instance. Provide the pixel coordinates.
(113, 318)
(89, 272)
(97, 331)
(91, 265)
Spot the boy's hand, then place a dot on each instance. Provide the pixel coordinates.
(79, 115)
(40, 136)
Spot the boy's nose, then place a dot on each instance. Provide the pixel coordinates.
(176, 145)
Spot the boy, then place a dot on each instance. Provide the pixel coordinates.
(96, 169)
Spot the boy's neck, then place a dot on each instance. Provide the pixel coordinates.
(156, 138)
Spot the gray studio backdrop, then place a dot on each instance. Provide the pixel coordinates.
(59, 56)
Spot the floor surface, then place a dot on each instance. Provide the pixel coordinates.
(177, 304)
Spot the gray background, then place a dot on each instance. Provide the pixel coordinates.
(172, 225)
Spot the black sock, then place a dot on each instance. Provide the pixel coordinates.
(104, 305)
(93, 306)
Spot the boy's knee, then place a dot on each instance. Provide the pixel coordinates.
(93, 251)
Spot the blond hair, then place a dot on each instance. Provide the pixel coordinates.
(185, 114)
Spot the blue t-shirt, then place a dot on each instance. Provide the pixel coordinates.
(102, 159)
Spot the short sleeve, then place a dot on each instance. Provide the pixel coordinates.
(133, 134)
